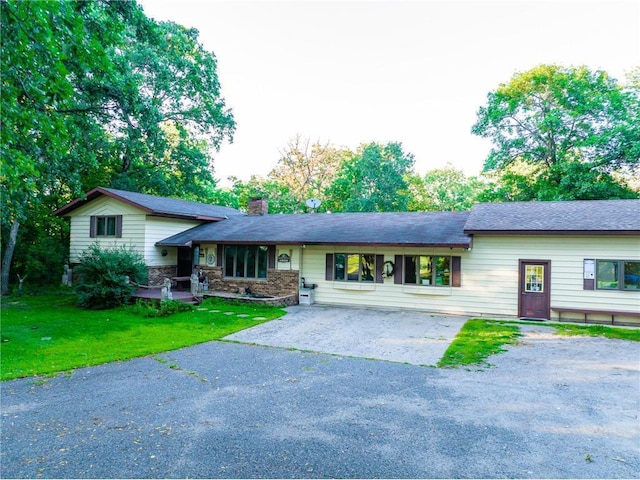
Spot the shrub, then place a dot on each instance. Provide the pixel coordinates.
(105, 276)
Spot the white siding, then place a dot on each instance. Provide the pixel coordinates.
(567, 254)
(205, 250)
(489, 276)
(132, 226)
(138, 230)
(386, 294)
(294, 254)
(159, 228)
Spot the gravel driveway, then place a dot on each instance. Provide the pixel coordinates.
(562, 407)
(407, 337)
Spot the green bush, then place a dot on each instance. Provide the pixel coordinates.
(105, 276)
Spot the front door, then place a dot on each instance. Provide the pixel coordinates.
(534, 292)
(185, 262)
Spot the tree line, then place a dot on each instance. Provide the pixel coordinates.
(95, 93)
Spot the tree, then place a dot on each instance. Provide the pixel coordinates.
(443, 189)
(279, 198)
(522, 181)
(46, 47)
(563, 120)
(374, 179)
(167, 115)
(95, 93)
(306, 169)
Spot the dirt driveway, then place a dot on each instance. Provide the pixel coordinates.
(550, 407)
(407, 337)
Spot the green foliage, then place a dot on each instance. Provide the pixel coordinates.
(95, 93)
(477, 340)
(279, 196)
(43, 335)
(444, 189)
(374, 179)
(569, 180)
(105, 276)
(576, 126)
(307, 170)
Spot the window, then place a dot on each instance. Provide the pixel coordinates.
(617, 275)
(427, 270)
(354, 267)
(105, 226)
(534, 278)
(246, 261)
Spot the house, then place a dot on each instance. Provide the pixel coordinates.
(547, 260)
(116, 217)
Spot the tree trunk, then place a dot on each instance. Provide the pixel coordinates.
(8, 256)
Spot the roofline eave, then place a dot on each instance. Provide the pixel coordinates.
(552, 232)
(196, 241)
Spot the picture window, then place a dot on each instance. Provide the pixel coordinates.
(354, 267)
(427, 270)
(618, 275)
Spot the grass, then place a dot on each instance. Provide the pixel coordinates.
(44, 335)
(477, 340)
(480, 338)
(631, 334)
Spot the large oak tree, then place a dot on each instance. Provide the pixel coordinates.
(574, 125)
(95, 93)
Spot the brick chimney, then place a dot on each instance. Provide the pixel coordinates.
(258, 206)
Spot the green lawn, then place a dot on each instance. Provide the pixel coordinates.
(43, 335)
(478, 339)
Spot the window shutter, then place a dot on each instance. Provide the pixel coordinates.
(379, 267)
(271, 252)
(456, 274)
(92, 226)
(328, 272)
(119, 226)
(397, 274)
(219, 255)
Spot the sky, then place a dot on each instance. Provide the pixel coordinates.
(348, 73)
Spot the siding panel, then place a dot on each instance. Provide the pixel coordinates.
(489, 276)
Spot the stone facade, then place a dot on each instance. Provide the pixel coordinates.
(279, 283)
(158, 274)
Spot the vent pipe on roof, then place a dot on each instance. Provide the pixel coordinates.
(258, 206)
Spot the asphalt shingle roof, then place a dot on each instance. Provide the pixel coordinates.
(171, 207)
(588, 216)
(401, 228)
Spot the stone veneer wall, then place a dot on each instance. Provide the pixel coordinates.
(278, 283)
(158, 274)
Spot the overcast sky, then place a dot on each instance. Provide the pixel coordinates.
(412, 72)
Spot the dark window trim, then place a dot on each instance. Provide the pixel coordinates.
(93, 226)
(455, 271)
(621, 275)
(269, 260)
(378, 263)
